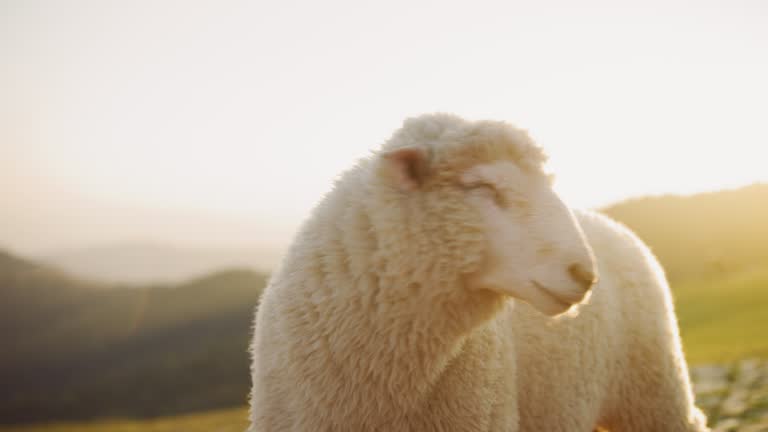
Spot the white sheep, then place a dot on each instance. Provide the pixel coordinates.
(395, 308)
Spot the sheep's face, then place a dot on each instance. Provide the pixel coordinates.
(479, 204)
(530, 245)
(536, 250)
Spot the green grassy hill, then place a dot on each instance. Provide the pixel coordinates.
(75, 350)
(724, 318)
(714, 248)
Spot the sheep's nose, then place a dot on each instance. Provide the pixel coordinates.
(583, 276)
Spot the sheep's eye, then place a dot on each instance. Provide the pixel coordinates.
(489, 191)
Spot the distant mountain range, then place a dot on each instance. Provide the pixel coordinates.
(132, 243)
(155, 263)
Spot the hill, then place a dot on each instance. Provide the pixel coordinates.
(725, 317)
(714, 248)
(86, 226)
(146, 263)
(75, 350)
(702, 235)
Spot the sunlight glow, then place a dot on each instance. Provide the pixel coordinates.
(252, 108)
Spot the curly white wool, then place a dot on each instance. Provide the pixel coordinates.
(412, 300)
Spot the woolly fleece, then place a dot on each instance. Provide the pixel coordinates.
(369, 323)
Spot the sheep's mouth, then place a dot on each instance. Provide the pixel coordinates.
(552, 296)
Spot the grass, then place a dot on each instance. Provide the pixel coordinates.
(724, 318)
(231, 420)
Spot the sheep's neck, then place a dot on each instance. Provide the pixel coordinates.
(406, 335)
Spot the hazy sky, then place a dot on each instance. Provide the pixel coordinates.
(249, 109)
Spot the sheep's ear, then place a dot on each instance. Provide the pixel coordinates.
(407, 167)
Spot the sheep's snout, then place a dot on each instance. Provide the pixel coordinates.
(582, 275)
(556, 291)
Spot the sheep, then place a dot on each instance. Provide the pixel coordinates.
(442, 285)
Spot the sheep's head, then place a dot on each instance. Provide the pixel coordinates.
(478, 189)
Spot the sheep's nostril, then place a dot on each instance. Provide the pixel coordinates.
(583, 276)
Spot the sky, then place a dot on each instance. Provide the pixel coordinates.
(246, 111)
